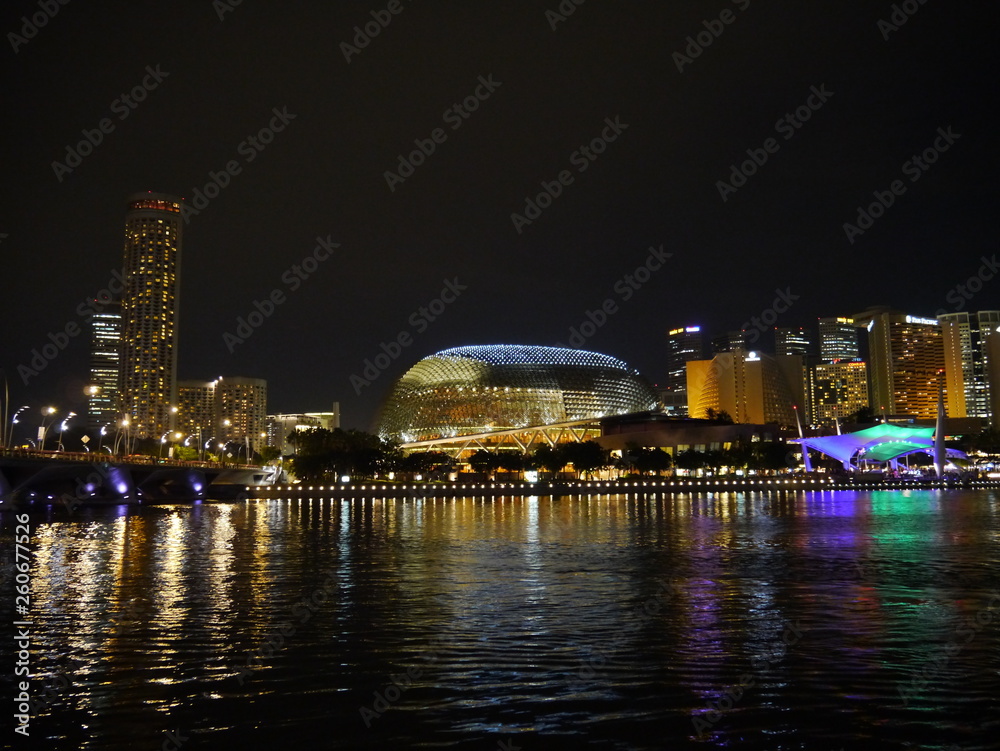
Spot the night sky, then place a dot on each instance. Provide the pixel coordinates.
(885, 94)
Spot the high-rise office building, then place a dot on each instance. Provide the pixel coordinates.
(906, 362)
(839, 390)
(967, 340)
(151, 270)
(838, 339)
(103, 407)
(683, 345)
(792, 341)
(729, 342)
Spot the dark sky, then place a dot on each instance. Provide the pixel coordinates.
(655, 184)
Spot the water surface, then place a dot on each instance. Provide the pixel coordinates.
(821, 620)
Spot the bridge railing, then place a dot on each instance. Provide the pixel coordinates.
(91, 457)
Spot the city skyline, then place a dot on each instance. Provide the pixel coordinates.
(286, 194)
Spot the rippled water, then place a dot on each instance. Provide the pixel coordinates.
(773, 621)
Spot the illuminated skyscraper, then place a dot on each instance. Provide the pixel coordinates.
(907, 362)
(751, 387)
(105, 365)
(967, 340)
(839, 390)
(792, 341)
(729, 342)
(838, 339)
(151, 272)
(683, 345)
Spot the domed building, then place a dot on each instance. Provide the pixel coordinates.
(484, 389)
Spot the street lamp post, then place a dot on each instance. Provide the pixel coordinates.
(177, 436)
(123, 428)
(62, 429)
(47, 412)
(14, 421)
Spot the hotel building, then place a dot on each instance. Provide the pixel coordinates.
(230, 409)
(751, 387)
(907, 362)
(151, 269)
(839, 390)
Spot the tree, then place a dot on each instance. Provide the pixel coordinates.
(549, 458)
(690, 460)
(586, 457)
(645, 460)
(511, 461)
(325, 454)
(770, 455)
(484, 461)
(269, 454)
(720, 416)
(715, 460)
(655, 460)
(738, 455)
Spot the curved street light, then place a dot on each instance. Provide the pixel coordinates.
(62, 429)
(14, 421)
(44, 429)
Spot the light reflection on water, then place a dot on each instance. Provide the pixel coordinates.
(542, 622)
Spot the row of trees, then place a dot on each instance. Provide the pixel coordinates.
(327, 454)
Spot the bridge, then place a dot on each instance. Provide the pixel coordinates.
(47, 478)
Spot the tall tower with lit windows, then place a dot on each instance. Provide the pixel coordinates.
(105, 363)
(151, 271)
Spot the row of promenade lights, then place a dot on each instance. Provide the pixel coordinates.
(50, 412)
